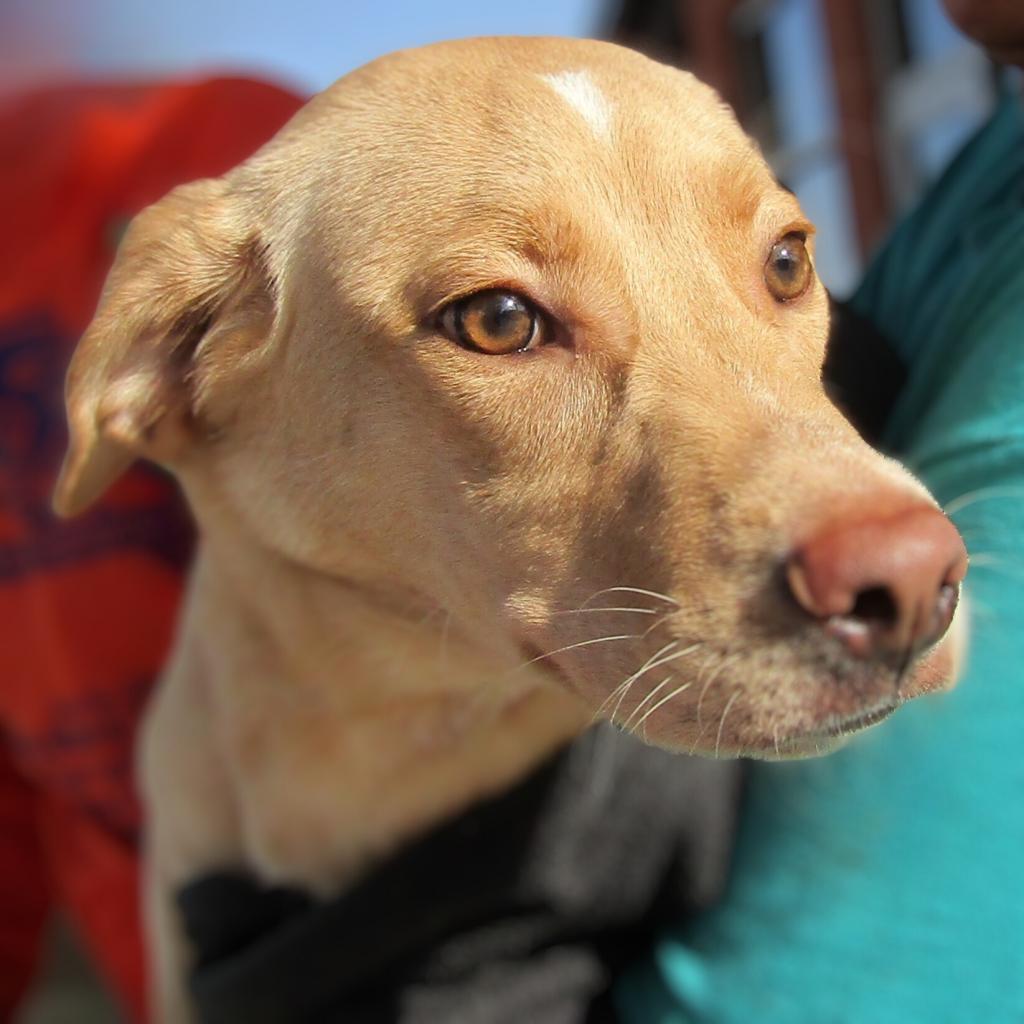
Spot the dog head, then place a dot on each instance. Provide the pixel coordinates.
(525, 329)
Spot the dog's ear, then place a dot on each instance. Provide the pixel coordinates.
(188, 297)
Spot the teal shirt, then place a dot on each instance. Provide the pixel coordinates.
(885, 884)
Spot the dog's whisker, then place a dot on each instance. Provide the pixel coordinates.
(597, 715)
(641, 724)
(573, 647)
(969, 498)
(624, 687)
(582, 611)
(627, 724)
(623, 691)
(664, 700)
(775, 740)
(722, 665)
(657, 663)
(654, 657)
(662, 661)
(696, 742)
(982, 612)
(998, 562)
(721, 723)
(703, 693)
(660, 622)
(631, 590)
(620, 689)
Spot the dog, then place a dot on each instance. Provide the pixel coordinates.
(494, 382)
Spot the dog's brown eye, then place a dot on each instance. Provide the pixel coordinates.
(495, 322)
(788, 270)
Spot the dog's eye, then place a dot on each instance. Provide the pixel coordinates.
(788, 269)
(496, 322)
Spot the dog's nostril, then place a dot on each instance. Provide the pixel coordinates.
(875, 606)
(882, 586)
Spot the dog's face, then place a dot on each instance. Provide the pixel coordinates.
(526, 331)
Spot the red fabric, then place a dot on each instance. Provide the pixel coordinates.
(23, 885)
(87, 607)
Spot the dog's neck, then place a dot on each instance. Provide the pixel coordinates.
(347, 725)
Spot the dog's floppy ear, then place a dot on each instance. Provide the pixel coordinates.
(187, 297)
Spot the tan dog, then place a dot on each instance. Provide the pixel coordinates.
(494, 382)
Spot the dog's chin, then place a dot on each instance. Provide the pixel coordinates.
(815, 740)
(933, 673)
(824, 738)
(839, 709)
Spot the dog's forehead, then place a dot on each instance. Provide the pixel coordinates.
(567, 150)
(520, 99)
(476, 119)
(585, 96)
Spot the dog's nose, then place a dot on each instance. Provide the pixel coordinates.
(885, 586)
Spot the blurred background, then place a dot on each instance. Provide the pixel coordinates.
(856, 103)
